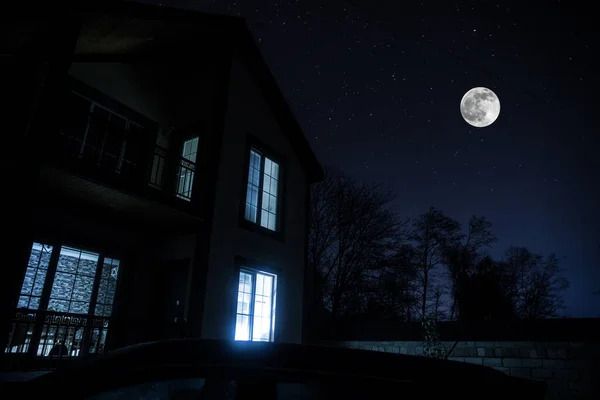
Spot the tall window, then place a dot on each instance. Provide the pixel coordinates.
(255, 315)
(73, 281)
(94, 132)
(187, 167)
(54, 288)
(262, 191)
(35, 276)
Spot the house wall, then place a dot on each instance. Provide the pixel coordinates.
(570, 369)
(248, 113)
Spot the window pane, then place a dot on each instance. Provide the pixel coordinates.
(261, 327)
(74, 281)
(242, 327)
(264, 219)
(271, 222)
(190, 149)
(35, 276)
(107, 287)
(269, 195)
(252, 191)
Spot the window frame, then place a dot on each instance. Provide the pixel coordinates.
(253, 267)
(252, 143)
(103, 253)
(178, 138)
(99, 99)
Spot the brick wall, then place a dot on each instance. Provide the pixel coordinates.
(570, 369)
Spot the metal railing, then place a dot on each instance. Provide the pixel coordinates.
(51, 334)
(161, 178)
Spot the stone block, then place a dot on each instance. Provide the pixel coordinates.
(490, 352)
(403, 350)
(498, 352)
(492, 362)
(474, 360)
(561, 353)
(461, 359)
(520, 372)
(541, 352)
(481, 352)
(554, 363)
(533, 353)
(524, 352)
(410, 351)
(541, 373)
(511, 362)
(532, 363)
(460, 352)
(472, 352)
(419, 350)
(578, 364)
(511, 352)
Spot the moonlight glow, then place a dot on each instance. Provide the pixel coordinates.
(480, 107)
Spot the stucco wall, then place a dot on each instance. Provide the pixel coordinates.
(248, 113)
(570, 369)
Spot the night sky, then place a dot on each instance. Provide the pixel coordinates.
(376, 86)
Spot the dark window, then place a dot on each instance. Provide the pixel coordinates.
(92, 131)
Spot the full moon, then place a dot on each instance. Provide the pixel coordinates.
(480, 107)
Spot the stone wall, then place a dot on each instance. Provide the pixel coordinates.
(570, 369)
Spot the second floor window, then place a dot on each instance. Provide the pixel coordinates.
(95, 133)
(187, 167)
(262, 194)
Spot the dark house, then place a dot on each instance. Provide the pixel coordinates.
(166, 186)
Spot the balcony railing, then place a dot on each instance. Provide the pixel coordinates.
(167, 172)
(56, 335)
(176, 173)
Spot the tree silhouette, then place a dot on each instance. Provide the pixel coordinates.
(461, 257)
(537, 283)
(483, 293)
(432, 232)
(352, 232)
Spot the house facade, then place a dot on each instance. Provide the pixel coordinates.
(167, 186)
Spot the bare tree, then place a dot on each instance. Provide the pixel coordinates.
(432, 232)
(537, 283)
(352, 230)
(392, 289)
(462, 258)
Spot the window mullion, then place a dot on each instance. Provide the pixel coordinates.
(253, 290)
(260, 189)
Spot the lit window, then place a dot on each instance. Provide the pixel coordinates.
(35, 276)
(187, 167)
(74, 281)
(255, 315)
(262, 191)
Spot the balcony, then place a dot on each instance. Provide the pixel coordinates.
(118, 150)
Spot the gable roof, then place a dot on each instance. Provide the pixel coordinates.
(137, 27)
